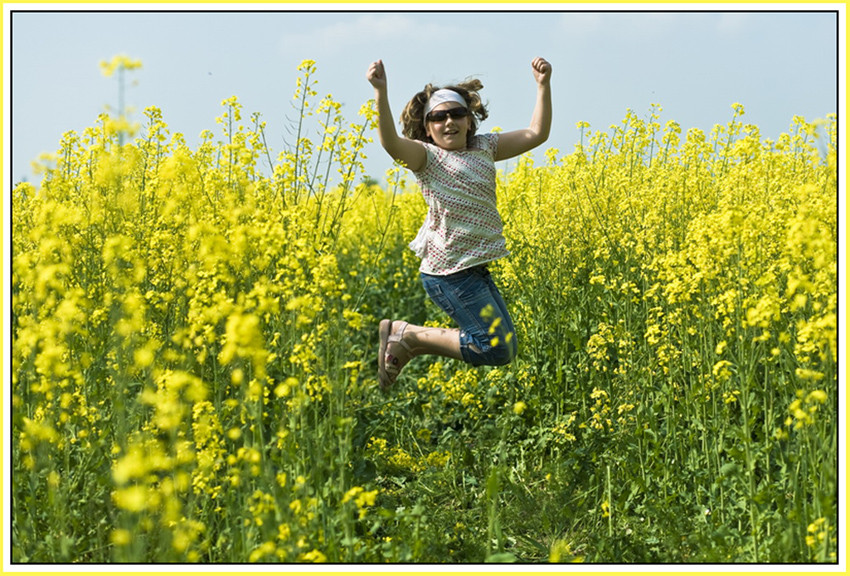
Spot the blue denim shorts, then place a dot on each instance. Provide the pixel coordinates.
(470, 297)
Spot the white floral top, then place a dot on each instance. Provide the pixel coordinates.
(462, 228)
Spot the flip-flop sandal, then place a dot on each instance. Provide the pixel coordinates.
(387, 373)
(384, 329)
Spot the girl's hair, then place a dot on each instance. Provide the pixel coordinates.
(413, 116)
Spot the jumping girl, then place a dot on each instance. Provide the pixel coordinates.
(462, 232)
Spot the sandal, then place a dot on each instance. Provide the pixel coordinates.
(389, 365)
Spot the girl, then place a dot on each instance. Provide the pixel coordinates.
(456, 171)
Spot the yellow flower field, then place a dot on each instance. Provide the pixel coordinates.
(194, 338)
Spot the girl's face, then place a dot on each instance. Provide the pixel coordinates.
(448, 133)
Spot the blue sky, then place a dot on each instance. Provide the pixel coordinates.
(694, 64)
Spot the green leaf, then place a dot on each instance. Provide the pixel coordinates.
(501, 557)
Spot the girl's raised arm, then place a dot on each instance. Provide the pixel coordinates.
(521, 141)
(409, 152)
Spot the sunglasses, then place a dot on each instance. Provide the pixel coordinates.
(455, 113)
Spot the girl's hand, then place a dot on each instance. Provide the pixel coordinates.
(376, 75)
(542, 70)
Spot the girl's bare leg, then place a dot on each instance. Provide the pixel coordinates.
(436, 341)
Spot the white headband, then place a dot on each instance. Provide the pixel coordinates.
(444, 95)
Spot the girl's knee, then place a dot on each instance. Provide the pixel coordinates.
(484, 349)
(503, 352)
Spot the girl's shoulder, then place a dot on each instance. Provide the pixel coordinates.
(486, 142)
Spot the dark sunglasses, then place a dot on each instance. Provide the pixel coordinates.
(456, 113)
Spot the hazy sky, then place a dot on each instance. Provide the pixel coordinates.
(694, 64)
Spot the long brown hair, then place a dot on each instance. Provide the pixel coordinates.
(412, 117)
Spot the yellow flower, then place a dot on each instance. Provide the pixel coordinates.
(132, 465)
(314, 556)
(562, 552)
(352, 493)
(307, 64)
(263, 550)
(120, 537)
(135, 498)
(804, 374)
(722, 371)
(119, 61)
(195, 316)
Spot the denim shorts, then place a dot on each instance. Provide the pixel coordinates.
(470, 297)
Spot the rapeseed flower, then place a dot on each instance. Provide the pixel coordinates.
(119, 61)
(195, 320)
